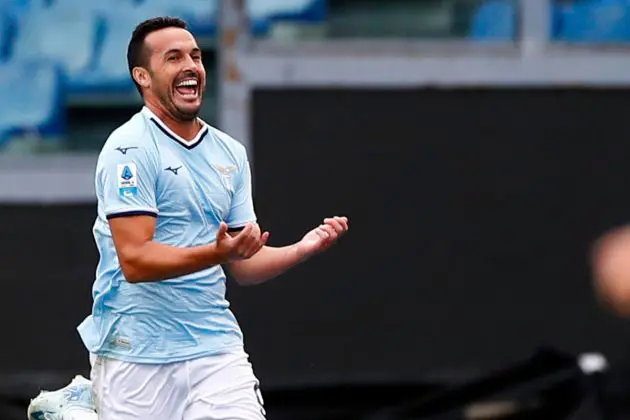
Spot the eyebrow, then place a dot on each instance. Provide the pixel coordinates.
(178, 51)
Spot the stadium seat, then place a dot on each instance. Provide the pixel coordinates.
(34, 99)
(7, 33)
(89, 38)
(64, 35)
(110, 73)
(289, 10)
(94, 6)
(200, 14)
(20, 8)
(495, 20)
(595, 21)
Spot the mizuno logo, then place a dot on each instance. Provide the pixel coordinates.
(174, 170)
(124, 150)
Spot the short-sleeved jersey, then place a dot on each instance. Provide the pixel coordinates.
(190, 187)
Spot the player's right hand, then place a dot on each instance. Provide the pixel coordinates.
(242, 246)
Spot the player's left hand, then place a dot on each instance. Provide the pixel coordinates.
(323, 237)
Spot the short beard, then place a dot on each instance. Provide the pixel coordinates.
(185, 116)
(169, 104)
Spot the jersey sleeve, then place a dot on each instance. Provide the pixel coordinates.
(126, 182)
(242, 209)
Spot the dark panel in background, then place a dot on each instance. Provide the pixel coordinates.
(47, 267)
(472, 213)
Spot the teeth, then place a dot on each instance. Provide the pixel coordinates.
(191, 83)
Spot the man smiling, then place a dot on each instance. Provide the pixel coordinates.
(173, 208)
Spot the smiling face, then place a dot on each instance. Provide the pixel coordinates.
(174, 77)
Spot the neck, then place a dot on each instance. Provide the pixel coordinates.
(186, 129)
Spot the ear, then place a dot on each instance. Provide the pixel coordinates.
(141, 76)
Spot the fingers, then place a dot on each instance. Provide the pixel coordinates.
(256, 230)
(339, 224)
(322, 233)
(223, 228)
(329, 232)
(262, 241)
(335, 226)
(249, 241)
(257, 245)
(243, 234)
(264, 238)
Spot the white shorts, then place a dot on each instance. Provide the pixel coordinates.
(219, 387)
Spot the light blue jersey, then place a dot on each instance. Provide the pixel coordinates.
(190, 187)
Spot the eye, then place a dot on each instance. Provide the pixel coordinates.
(172, 58)
(196, 57)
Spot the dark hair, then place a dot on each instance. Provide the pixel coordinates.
(136, 53)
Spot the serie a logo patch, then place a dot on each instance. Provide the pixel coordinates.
(127, 178)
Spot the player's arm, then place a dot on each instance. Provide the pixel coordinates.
(126, 188)
(144, 260)
(270, 262)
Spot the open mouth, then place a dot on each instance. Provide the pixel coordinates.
(188, 88)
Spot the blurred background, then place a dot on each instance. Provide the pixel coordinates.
(477, 146)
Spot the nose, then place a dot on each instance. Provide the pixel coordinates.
(189, 64)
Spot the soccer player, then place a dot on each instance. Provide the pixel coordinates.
(174, 206)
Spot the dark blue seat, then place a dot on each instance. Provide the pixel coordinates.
(33, 99)
(494, 20)
(64, 35)
(595, 21)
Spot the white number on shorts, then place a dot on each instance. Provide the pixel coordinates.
(260, 399)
